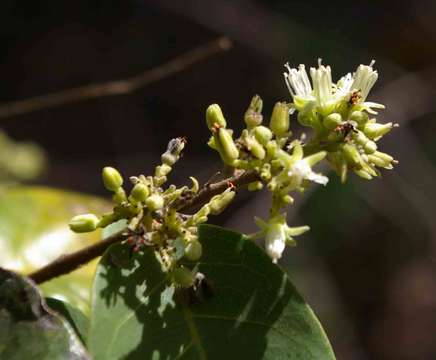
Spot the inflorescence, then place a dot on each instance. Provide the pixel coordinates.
(344, 132)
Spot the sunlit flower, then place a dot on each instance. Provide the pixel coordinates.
(278, 234)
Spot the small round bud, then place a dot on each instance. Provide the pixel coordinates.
(279, 123)
(215, 117)
(112, 179)
(193, 250)
(83, 223)
(332, 121)
(107, 219)
(154, 202)
(359, 117)
(228, 145)
(255, 185)
(262, 134)
(140, 192)
(219, 202)
(183, 277)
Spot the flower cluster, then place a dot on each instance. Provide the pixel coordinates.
(278, 161)
(341, 117)
(153, 217)
(345, 132)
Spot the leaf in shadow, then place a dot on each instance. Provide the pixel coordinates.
(247, 308)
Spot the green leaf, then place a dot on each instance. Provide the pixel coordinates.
(78, 321)
(246, 309)
(28, 328)
(34, 231)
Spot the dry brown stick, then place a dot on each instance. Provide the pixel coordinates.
(67, 263)
(117, 87)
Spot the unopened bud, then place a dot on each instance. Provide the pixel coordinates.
(262, 134)
(370, 147)
(112, 179)
(140, 192)
(256, 149)
(162, 170)
(83, 223)
(219, 202)
(215, 117)
(119, 196)
(154, 202)
(279, 123)
(227, 144)
(359, 117)
(193, 250)
(375, 130)
(252, 119)
(351, 154)
(255, 185)
(332, 121)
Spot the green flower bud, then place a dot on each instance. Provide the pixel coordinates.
(154, 202)
(262, 134)
(352, 154)
(183, 277)
(112, 179)
(140, 192)
(279, 123)
(359, 117)
(370, 147)
(230, 151)
(256, 149)
(219, 202)
(252, 119)
(375, 130)
(215, 117)
(83, 223)
(107, 219)
(162, 170)
(363, 174)
(255, 185)
(193, 250)
(360, 138)
(332, 121)
(379, 161)
(384, 156)
(256, 104)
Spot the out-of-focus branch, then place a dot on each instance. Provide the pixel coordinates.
(117, 87)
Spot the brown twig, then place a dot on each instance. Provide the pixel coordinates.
(67, 263)
(117, 87)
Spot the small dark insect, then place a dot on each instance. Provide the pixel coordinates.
(345, 129)
(201, 290)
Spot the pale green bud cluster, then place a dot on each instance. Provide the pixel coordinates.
(153, 212)
(280, 163)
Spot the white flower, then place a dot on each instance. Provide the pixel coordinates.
(364, 79)
(275, 241)
(322, 84)
(278, 234)
(298, 82)
(302, 170)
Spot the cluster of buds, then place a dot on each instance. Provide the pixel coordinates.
(279, 163)
(153, 217)
(342, 120)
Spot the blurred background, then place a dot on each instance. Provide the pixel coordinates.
(368, 265)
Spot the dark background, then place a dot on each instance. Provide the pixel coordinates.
(368, 265)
